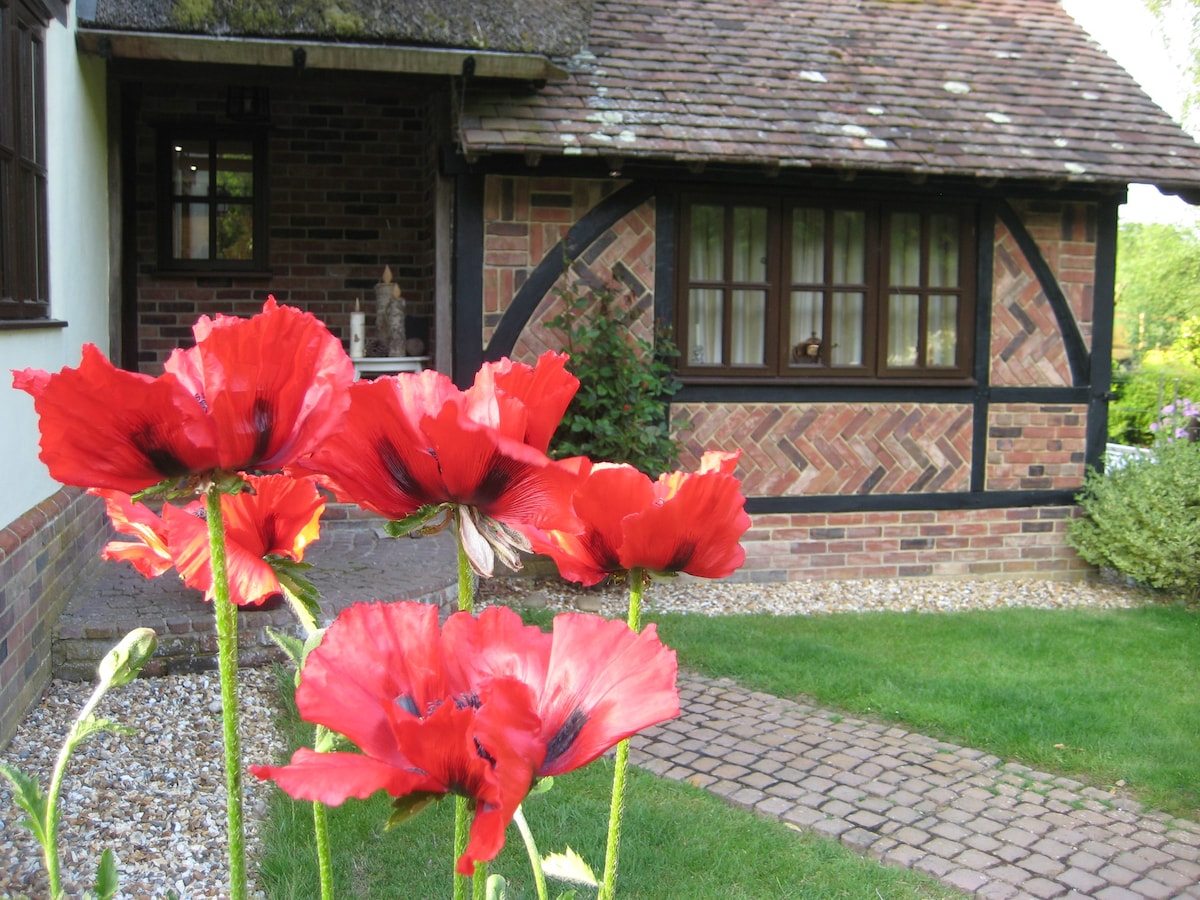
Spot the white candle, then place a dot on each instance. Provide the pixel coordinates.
(358, 335)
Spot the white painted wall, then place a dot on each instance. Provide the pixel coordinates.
(77, 210)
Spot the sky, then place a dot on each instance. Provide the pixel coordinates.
(1135, 39)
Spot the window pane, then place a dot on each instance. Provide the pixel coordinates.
(904, 311)
(707, 259)
(749, 243)
(749, 329)
(8, 107)
(849, 246)
(905, 250)
(808, 246)
(943, 250)
(235, 169)
(189, 169)
(189, 231)
(704, 322)
(235, 231)
(942, 339)
(847, 330)
(805, 325)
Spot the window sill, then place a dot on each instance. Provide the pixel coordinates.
(212, 273)
(691, 380)
(31, 324)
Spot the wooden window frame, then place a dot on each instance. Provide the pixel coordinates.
(167, 138)
(779, 345)
(24, 228)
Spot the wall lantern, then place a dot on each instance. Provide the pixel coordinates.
(248, 104)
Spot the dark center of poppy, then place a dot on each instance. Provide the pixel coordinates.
(151, 445)
(565, 736)
(408, 703)
(397, 471)
(684, 552)
(264, 423)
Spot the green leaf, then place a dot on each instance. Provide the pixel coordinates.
(27, 794)
(569, 867)
(292, 646)
(408, 806)
(92, 725)
(415, 522)
(298, 588)
(106, 876)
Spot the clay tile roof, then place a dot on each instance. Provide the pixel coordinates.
(553, 27)
(985, 88)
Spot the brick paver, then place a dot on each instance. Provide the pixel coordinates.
(986, 827)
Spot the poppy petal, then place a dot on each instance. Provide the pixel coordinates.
(494, 644)
(695, 526)
(502, 478)
(278, 515)
(332, 777)
(375, 659)
(524, 402)
(150, 555)
(380, 459)
(275, 384)
(104, 427)
(605, 683)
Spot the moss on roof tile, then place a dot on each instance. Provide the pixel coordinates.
(551, 27)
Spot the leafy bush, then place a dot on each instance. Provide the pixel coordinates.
(1141, 394)
(620, 413)
(1143, 520)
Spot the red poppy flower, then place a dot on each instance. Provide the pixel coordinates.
(251, 394)
(683, 522)
(378, 678)
(150, 555)
(524, 402)
(414, 440)
(596, 681)
(276, 516)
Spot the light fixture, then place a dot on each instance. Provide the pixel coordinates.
(248, 104)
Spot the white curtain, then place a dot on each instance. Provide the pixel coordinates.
(706, 263)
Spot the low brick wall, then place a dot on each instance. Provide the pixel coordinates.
(44, 555)
(1028, 542)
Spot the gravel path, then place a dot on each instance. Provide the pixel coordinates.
(157, 797)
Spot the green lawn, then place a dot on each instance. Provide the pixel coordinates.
(1106, 695)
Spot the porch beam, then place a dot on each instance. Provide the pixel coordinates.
(283, 54)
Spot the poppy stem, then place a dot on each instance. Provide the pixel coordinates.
(608, 885)
(324, 862)
(227, 664)
(462, 813)
(535, 858)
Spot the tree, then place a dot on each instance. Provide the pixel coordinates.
(1158, 283)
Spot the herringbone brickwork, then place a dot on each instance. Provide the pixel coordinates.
(525, 218)
(835, 448)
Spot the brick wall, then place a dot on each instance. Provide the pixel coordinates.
(987, 543)
(44, 555)
(861, 449)
(351, 190)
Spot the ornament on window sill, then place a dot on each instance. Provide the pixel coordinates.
(389, 315)
(808, 351)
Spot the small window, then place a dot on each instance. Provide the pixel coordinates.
(803, 288)
(212, 201)
(24, 233)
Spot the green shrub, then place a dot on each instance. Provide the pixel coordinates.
(1141, 394)
(1143, 520)
(620, 413)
